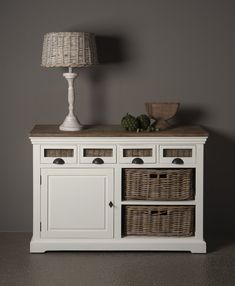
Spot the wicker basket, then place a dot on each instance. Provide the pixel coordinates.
(158, 184)
(158, 220)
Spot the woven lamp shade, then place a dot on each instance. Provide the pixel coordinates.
(69, 49)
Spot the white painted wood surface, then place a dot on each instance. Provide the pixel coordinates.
(75, 203)
(71, 123)
(71, 210)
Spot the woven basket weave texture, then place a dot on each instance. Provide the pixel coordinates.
(137, 152)
(69, 49)
(58, 153)
(98, 153)
(177, 153)
(159, 220)
(158, 184)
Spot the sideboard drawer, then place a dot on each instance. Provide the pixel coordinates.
(137, 154)
(98, 154)
(177, 154)
(61, 154)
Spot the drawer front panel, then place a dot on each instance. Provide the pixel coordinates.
(90, 154)
(67, 153)
(146, 153)
(177, 154)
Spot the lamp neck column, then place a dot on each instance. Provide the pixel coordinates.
(70, 123)
(70, 78)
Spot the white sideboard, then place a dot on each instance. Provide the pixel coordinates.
(78, 199)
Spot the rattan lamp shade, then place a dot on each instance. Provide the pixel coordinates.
(69, 49)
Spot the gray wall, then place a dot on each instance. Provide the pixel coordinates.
(152, 50)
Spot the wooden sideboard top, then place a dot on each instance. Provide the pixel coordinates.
(116, 131)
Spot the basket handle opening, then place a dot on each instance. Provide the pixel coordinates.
(153, 176)
(162, 212)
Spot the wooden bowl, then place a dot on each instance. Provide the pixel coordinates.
(161, 112)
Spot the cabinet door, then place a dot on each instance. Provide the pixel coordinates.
(75, 203)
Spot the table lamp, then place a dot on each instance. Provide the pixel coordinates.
(69, 49)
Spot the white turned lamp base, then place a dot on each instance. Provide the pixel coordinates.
(71, 123)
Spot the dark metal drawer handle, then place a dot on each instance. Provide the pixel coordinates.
(137, 161)
(178, 161)
(111, 204)
(59, 161)
(98, 161)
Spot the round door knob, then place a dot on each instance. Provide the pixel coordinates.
(98, 161)
(178, 161)
(137, 161)
(58, 161)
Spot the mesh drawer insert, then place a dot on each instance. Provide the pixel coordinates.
(97, 152)
(177, 153)
(137, 152)
(58, 152)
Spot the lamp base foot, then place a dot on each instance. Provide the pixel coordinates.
(71, 123)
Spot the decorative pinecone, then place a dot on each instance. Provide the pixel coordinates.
(144, 121)
(130, 123)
